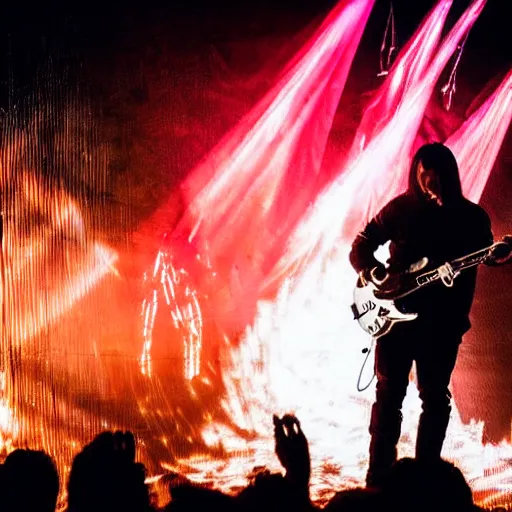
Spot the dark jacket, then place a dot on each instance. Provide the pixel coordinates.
(417, 228)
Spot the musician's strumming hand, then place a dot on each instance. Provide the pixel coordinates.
(376, 275)
(388, 285)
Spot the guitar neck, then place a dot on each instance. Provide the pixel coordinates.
(458, 265)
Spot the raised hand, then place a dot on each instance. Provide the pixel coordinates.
(292, 449)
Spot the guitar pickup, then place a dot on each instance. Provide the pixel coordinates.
(425, 279)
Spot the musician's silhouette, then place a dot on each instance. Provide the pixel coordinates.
(431, 219)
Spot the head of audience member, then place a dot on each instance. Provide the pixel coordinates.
(104, 476)
(29, 482)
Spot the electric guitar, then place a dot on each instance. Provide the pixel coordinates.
(374, 301)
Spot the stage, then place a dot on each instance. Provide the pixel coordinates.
(179, 196)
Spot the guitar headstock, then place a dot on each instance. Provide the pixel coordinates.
(507, 239)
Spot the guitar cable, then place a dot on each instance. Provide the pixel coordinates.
(366, 351)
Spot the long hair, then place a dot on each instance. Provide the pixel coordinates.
(440, 159)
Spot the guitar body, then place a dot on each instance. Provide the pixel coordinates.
(376, 316)
(374, 304)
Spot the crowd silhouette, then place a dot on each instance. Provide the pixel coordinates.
(105, 476)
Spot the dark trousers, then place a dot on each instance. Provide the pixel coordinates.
(435, 354)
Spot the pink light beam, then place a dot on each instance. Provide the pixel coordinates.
(407, 71)
(383, 183)
(378, 174)
(477, 142)
(247, 151)
(263, 174)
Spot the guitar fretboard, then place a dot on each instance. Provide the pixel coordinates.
(427, 278)
(471, 260)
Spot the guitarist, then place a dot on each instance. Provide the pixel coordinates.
(432, 220)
